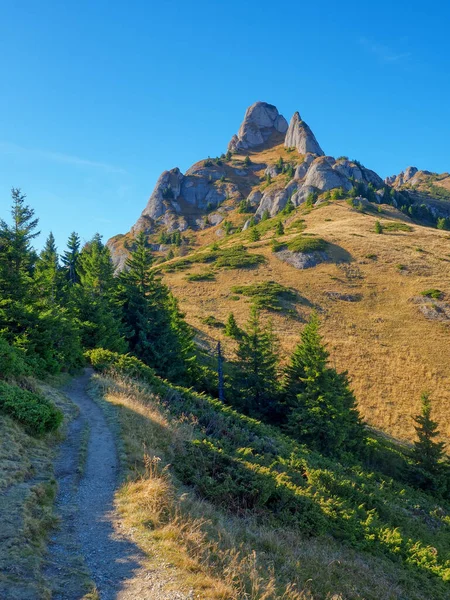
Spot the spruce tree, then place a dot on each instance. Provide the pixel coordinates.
(69, 258)
(254, 235)
(155, 330)
(279, 229)
(257, 364)
(94, 299)
(47, 272)
(427, 453)
(321, 406)
(232, 329)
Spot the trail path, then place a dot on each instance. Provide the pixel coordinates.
(89, 541)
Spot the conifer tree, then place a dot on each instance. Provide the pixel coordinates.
(232, 329)
(94, 298)
(47, 272)
(427, 453)
(69, 258)
(17, 257)
(279, 229)
(257, 364)
(322, 407)
(254, 235)
(155, 330)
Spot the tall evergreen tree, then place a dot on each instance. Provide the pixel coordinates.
(256, 379)
(322, 407)
(70, 257)
(428, 454)
(155, 330)
(47, 271)
(232, 329)
(94, 299)
(17, 257)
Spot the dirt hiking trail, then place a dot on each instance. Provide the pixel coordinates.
(90, 543)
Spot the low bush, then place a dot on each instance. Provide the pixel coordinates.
(37, 414)
(208, 276)
(304, 244)
(396, 227)
(433, 293)
(211, 321)
(266, 295)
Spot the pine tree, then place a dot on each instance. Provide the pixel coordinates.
(94, 298)
(254, 235)
(257, 364)
(232, 329)
(322, 407)
(47, 272)
(155, 329)
(279, 229)
(70, 258)
(17, 257)
(428, 454)
(378, 227)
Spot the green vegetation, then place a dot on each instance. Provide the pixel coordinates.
(206, 276)
(266, 295)
(235, 257)
(35, 412)
(378, 227)
(396, 226)
(322, 408)
(432, 293)
(232, 329)
(253, 234)
(211, 321)
(244, 467)
(305, 244)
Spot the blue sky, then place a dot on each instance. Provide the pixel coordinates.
(99, 97)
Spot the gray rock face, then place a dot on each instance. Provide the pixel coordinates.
(262, 124)
(404, 177)
(167, 188)
(302, 260)
(303, 167)
(273, 201)
(300, 136)
(323, 175)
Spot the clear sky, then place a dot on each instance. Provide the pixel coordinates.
(98, 97)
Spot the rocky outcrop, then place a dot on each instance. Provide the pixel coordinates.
(262, 126)
(404, 177)
(300, 136)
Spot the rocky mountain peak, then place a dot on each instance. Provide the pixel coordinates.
(300, 136)
(262, 126)
(402, 178)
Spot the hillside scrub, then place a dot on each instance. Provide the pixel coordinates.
(266, 295)
(35, 412)
(235, 257)
(251, 470)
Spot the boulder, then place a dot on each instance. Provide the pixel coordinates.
(262, 125)
(300, 136)
(323, 176)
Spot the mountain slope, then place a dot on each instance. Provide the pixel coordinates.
(369, 290)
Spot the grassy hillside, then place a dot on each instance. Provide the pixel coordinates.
(238, 510)
(392, 339)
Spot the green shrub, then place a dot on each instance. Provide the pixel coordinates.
(397, 227)
(12, 363)
(304, 244)
(208, 276)
(378, 227)
(266, 295)
(432, 293)
(211, 321)
(37, 414)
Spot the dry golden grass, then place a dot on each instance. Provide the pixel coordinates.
(217, 555)
(392, 352)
